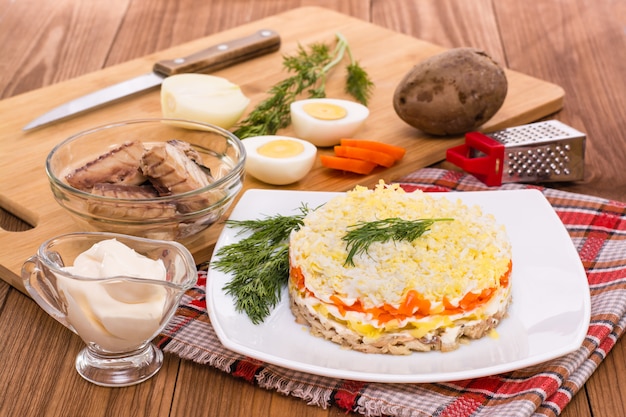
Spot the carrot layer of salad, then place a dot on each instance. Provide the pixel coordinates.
(414, 304)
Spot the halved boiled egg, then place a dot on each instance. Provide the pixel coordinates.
(202, 98)
(278, 160)
(324, 121)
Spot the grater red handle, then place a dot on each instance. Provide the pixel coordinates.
(488, 166)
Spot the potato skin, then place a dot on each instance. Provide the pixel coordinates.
(451, 93)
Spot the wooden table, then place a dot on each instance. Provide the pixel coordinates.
(577, 44)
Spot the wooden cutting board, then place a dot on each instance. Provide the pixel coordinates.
(386, 55)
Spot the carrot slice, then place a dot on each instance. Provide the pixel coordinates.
(397, 152)
(347, 164)
(379, 158)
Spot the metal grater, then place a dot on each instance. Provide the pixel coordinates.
(547, 151)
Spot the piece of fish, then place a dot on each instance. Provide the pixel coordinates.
(171, 171)
(130, 210)
(192, 154)
(120, 165)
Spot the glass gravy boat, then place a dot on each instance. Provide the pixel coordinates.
(117, 317)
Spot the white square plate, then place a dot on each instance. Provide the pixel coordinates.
(548, 318)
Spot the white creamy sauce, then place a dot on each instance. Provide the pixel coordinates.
(117, 314)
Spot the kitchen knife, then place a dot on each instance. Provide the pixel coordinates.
(211, 59)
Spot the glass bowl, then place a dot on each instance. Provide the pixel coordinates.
(117, 316)
(109, 182)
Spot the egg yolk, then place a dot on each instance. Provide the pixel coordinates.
(325, 111)
(281, 149)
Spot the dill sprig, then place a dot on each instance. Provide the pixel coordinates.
(259, 263)
(361, 235)
(310, 69)
(358, 83)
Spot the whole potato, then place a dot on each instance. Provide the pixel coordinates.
(451, 93)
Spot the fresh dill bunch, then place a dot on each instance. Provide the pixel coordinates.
(273, 113)
(309, 69)
(259, 262)
(362, 234)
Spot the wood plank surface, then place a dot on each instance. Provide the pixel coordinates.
(577, 44)
(25, 190)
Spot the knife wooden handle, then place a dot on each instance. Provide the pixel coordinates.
(222, 55)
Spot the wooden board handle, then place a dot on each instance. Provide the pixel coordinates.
(222, 55)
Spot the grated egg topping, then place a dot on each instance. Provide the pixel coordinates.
(457, 269)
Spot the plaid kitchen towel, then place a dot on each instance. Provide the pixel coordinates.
(598, 229)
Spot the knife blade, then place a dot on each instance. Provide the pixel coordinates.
(216, 57)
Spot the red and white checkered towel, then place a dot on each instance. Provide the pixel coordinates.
(598, 229)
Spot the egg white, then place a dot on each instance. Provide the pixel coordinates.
(326, 133)
(278, 171)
